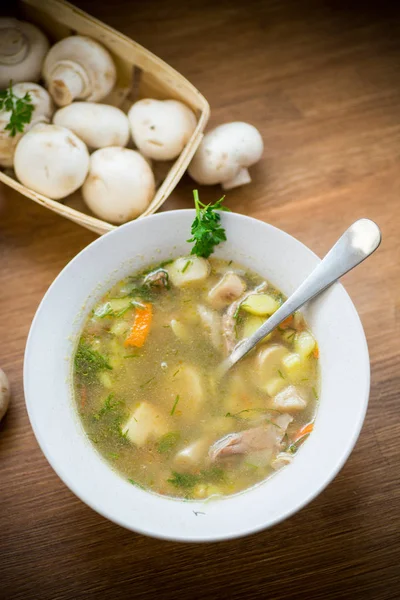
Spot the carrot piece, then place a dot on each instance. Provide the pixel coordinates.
(287, 322)
(316, 352)
(141, 327)
(304, 431)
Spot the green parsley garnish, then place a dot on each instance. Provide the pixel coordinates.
(89, 362)
(207, 231)
(21, 110)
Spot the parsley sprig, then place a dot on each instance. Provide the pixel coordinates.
(21, 110)
(207, 231)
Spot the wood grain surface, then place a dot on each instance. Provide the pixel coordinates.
(321, 80)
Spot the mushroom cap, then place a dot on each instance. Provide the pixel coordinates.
(22, 50)
(161, 128)
(98, 125)
(78, 67)
(120, 184)
(51, 160)
(4, 393)
(225, 151)
(43, 109)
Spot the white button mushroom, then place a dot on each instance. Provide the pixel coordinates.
(120, 184)
(78, 67)
(98, 125)
(225, 153)
(43, 109)
(51, 160)
(161, 128)
(22, 50)
(4, 394)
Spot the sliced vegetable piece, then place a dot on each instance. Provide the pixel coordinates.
(250, 326)
(269, 362)
(228, 289)
(295, 367)
(146, 422)
(289, 400)
(305, 344)
(141, 326)
(307, 429)
(188, 270)
(274, 385)
(288, 322)
(180, 330)
(260, 304)
(192, 454)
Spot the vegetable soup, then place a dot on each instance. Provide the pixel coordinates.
(147, 387)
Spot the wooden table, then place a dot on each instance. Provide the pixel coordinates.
(322, 83)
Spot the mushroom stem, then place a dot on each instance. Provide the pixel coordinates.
(241, 178)
(13, 46)
(68, 82)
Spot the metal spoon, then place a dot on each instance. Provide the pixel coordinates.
(357, 243)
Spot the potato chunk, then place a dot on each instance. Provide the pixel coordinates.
(188, 270)
(228, 289)
(188, 384)
(304, 343)
(260, 305)
(192, 454)
(145, 423)
(268, 363)
(289, 400)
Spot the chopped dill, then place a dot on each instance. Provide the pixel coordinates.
(168, 442)
(88, 362)
(174, 406)
(186, 265)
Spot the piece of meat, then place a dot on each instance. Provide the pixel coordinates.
(289, 400)
(211, 322)
(265, 437)
(229, 288)
(229, 322)
(157, 279)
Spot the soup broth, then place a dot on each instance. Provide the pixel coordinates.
(148, 393)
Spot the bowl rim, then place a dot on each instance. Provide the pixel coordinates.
(310, 496)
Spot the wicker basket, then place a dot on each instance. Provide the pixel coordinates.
(140, 74)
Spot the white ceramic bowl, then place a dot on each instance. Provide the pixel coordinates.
(47, 375)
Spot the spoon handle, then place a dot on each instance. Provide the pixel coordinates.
(357, 243)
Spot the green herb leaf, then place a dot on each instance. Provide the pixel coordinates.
(213, 475)
(206, 230)
(141, 290)
(281, 374)
(21, 110)
(139, 485)
(109, 405)
(168, 442)
(315, 393)
(174, 406)
(187, 263)
(104, 310)
(183, 480)
(89, 362)
(147, 382)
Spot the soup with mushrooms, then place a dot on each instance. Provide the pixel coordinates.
(147, 390)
